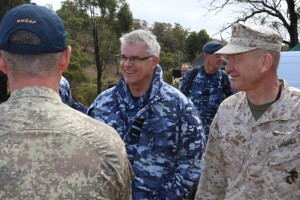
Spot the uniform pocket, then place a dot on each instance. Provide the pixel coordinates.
(284, 165)
(284, 149)
(165, 135)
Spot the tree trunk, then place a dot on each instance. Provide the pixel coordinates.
(293, 30)
(97, 58)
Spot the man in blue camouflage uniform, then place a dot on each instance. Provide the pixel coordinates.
(65, 91)
(161, 128)
(47, 149)
(207, 87)
(66, 96)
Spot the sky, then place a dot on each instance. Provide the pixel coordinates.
(190, 14)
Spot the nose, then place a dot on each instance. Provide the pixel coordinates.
(229, 67)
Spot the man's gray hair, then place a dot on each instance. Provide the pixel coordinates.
(26, 64)
(142, 37)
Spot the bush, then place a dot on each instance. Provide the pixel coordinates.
(168, 76)
(85, 93)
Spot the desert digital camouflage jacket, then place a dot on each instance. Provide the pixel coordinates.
(166, 152)
(206, 93)
(248, 159)
(51, 151)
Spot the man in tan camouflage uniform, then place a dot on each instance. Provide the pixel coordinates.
(253, 148)
(47, 149)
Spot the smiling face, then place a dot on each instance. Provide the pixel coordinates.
(245, 70)
(138, 75)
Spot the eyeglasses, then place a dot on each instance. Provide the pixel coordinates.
(134, 59)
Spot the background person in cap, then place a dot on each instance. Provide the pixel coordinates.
(253, 148)
(207, 86)
(47, 149)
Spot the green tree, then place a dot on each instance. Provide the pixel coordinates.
(202, 39)
(124, 21)
(172, 40)
(167, 60)
(168, 76)
(178, 37)
(162, 31)
(75, 73)
(104, 17)
(5, 5)
(140, 24)
(195, 42)
(191, 46)
(75, 22)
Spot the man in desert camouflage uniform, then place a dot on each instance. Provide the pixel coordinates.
(253, 147)
(159, 125)
(47, 149)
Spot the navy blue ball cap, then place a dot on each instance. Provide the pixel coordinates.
(212, 47)
(39, 20)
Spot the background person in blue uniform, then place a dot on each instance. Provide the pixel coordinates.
(65, 91)
(161, 128)
(66, 96)
(207, 89)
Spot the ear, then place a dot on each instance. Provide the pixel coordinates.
(155, 61)
(65, 59)
(266, 62)
(3, 67)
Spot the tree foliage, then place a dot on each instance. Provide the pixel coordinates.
(281, 15)
(8, 4)
(168, 60)
(172, 41)
(124, 20)
(170, 38)
(140, 24)
(76, 21)
(195, 42)
(108, 20)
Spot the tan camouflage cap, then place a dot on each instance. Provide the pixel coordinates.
(249, 37)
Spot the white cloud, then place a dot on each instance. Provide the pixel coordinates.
(56, 4)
